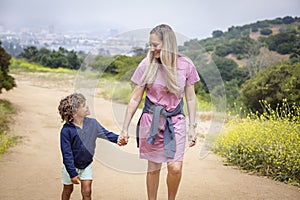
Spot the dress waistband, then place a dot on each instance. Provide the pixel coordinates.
(169, 135)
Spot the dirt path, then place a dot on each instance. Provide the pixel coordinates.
(31, 170)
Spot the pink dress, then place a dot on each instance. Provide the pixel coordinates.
(158, 94)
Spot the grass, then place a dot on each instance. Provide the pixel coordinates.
(6, 139)
(267, 144)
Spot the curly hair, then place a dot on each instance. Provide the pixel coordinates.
(69, 105)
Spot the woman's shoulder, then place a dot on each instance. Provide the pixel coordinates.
(142, 66)
(143, 63)
(184, 62)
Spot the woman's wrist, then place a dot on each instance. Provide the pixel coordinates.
(123, 132)
(193, 125)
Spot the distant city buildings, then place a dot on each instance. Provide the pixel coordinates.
(109, 43)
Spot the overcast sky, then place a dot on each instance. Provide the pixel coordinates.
(192, 18)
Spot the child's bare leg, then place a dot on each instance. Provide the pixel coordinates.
(67, 191)
(86, 189)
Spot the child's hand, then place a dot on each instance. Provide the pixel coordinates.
(122, 141)
(75, 180)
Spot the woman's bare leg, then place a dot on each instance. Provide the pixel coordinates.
(173, 178)
(153, 179)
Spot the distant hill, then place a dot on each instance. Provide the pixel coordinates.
(239, 53)
(273, 40)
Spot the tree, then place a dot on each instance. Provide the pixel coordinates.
(74, 61)
(53, 59)
(43, 57)
(137, 51)
(58, 60)
(7, 82)
(288, 20)
(284, 43)
(223, 50)
(275, 83)
(217, 33)
(226, 66)
(29, 53)
(266, 31)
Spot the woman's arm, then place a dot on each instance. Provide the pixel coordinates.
(191, 101)
(132, 106)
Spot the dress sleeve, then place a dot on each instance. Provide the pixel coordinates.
(192, 75)
(136, 77)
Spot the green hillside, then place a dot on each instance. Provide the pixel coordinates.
(242, 51)
(228, 62)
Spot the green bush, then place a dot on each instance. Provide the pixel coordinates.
(268, 144)
(6, 140)
(52, 58)
(266, 31)
(254, 29)
(272, 84)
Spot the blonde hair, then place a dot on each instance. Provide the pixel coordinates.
(168, 57)
(69, 105)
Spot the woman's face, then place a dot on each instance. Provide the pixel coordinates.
(155, 45)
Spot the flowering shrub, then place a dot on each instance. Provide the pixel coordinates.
(267, 143)
(18, 65)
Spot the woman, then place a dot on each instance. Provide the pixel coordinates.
(166, 77)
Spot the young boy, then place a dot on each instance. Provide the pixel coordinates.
(78, 141)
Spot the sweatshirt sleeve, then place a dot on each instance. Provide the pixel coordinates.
(67, 154)
(105, 134)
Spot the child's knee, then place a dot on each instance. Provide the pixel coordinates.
(68, 189)
(86, 192)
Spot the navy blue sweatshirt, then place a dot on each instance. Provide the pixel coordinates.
(78, 144)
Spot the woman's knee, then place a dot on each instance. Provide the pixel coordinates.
(153, 168)
(175, 168)
(154, 172)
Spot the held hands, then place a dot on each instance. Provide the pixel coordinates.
(123, 139)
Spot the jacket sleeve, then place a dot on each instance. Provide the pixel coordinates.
(67, 154)
(105, 134)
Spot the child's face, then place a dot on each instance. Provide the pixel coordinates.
(83, 110)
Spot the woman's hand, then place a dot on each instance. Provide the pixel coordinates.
(192, 137)
(75, 180)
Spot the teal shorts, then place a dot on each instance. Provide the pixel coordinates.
(84, 174)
